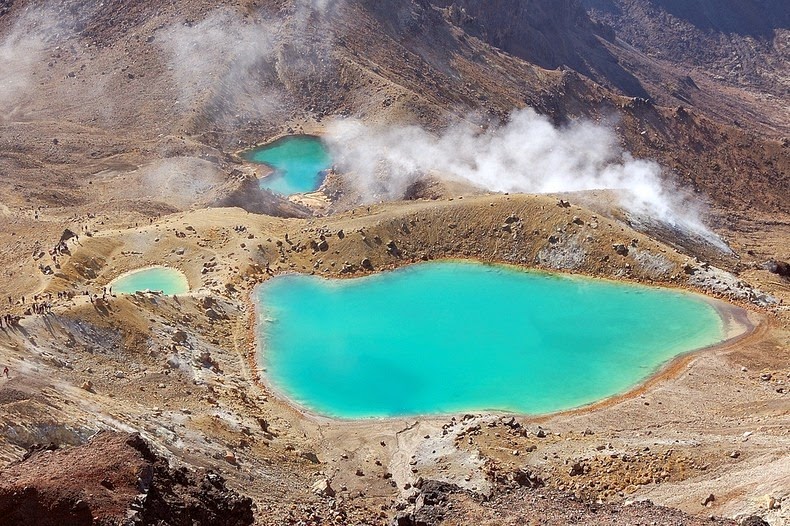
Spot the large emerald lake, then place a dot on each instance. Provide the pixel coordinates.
(298, 162)
(454, 336)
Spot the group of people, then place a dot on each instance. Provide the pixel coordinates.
(106, 291)
(8, 321)
(42, 305)
(61, 248)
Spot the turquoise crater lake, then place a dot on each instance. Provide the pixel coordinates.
(460, 336)
(298, 161)
(162, 279)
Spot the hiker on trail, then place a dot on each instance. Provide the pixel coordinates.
(5, 372)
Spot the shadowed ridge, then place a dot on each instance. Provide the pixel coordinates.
(551, 36)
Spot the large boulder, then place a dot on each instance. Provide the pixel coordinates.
(781, 268)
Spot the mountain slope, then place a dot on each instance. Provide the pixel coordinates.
(739, 48)
(97, 85)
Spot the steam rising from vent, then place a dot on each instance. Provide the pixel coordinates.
(231, 70)
(222, 67)
(527, 154)
(44, 35)
(319, 6)
(20, 52)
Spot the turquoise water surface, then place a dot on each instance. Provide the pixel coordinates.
(163, 279)
(460, 336)
(298, 162)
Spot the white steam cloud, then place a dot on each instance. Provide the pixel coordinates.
(222, 67)
(21, 51)
(317, 6)
(42, 44)
(232, 69)
(528, 154)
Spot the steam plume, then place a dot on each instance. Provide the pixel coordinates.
(527, 154)
(20, 52)
(222, 67)
(231, 69)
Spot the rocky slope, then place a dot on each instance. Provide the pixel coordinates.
(740, 43)
(113, 479)
(556, 35)
(122, 120)
(174, 87)
(689, 49)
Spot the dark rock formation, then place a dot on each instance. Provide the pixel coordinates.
(778, 267)
(249, 196)
(114, 478)
(754, 520)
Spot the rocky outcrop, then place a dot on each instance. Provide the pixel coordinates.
(754, 520)
(736, 42)
(778, 267)
(247, 194)
(114, 478)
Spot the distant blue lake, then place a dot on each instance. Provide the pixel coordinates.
(298, 162)
(448, 337)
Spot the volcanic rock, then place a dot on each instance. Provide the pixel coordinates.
(72, 486)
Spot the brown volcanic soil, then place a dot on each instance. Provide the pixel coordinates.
(101, 131)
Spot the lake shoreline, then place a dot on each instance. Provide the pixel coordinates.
(736, 325)
(182, 278)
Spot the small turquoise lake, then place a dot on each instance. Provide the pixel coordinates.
(163, 279)
(449, 337)
(298, 162)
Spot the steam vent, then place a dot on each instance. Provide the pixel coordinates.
(394, 263)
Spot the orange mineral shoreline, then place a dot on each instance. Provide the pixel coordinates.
(738, 329)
